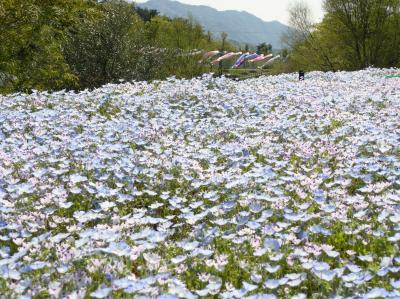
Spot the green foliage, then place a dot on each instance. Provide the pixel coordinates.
(146, 14)
(353, 35)
(335, 124)
(30, 44)
(264, 48)
(106, 47)
(77, 44)
(184, 35)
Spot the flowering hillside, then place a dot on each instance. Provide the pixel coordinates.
(264, 188)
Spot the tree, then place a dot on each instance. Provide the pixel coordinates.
(264, 48)
(56, 44)
(31, 35)
(367, 27)
(354, 34)
(209, 36)
(303, 38)
(146, 14)
(224, 36)
(108, 46)
(284, 53)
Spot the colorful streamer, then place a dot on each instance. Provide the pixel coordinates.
(226, 56)
(209, 55)
(261, 58)
(269, 62)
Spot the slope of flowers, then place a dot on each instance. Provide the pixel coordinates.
(265, 188)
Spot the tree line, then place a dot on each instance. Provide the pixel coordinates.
(354, 34)
(78, 44)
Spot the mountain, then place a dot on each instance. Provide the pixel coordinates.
(241, 26)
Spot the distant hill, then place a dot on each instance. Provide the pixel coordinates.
(241, 26)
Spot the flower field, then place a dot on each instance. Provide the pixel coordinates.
(203, 188)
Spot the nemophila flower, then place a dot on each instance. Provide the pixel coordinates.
(181, 268)
(178, 178)
(204, 277)
(220, 261)
(101, 293)
(153, 260)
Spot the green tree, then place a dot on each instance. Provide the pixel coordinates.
(30, 44)
(304, 37)
(224, 37)
(55, 44)
(178, 38)
(354, 34)
(367, 27)
(108, 46)
(264, 48)
(145, 13)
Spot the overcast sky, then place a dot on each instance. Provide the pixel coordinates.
(267, 10)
